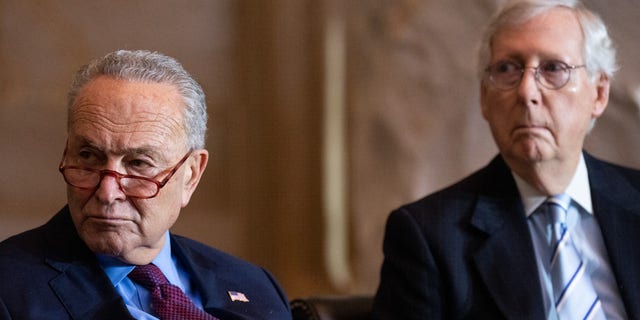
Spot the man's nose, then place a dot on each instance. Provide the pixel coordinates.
(530, 74)
(109, 188)
(529, 88)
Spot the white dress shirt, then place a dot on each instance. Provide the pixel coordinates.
(586, 236)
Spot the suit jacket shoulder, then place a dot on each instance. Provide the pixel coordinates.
(493, 181)
(225, 281)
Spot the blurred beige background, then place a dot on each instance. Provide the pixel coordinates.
(325, 115)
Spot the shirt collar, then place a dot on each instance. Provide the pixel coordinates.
(117, 270)
(578, 189)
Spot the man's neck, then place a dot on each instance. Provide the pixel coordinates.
(550, 177)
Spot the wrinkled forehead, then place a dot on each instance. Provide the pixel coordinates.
(121, 112)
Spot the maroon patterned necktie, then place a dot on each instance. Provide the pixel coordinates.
(168, 300)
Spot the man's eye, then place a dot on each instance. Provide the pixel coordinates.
(553, 66)
(138, 163)
(88, 156)
(506, 67)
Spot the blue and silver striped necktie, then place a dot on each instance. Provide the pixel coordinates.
(574, 295)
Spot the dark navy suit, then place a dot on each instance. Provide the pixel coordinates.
(49, 273)
(466, 251)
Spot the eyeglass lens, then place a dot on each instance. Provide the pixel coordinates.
(550, 74)
(132, 186)
(89, 179)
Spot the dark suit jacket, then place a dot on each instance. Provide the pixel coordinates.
(49, 273)
(466, 251)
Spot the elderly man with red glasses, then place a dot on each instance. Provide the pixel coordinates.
(134, 156)
(545, 230)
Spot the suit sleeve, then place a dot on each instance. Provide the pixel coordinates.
(4, 313)
(409, 281)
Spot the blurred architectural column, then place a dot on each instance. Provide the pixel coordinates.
(277, 138)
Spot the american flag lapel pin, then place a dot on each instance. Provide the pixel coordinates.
(237, 296)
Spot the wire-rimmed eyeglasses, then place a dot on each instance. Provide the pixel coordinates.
(131, 185)
(551, 74)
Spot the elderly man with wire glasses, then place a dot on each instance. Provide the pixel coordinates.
(545, 230)
(133, 158)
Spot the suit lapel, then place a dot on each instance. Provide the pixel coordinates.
(506, 260)
(86, 292)
(214, 290)
(81, 285)
(617, 209)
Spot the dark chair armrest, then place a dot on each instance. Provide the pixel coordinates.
(351, 307)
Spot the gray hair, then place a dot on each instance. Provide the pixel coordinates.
(599, 52)
(153, 67)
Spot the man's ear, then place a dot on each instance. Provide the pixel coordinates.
(194, 168)
(602, 96)
(483, 104)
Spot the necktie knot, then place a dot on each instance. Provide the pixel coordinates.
(557, 207)
(168, 300)
(149, 276)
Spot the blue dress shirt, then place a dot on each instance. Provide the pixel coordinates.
(136, 297)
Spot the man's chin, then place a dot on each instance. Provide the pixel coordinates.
(106, 243)
(532, 151)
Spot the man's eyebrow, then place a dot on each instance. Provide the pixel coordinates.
(84, 142)
(150, 151)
